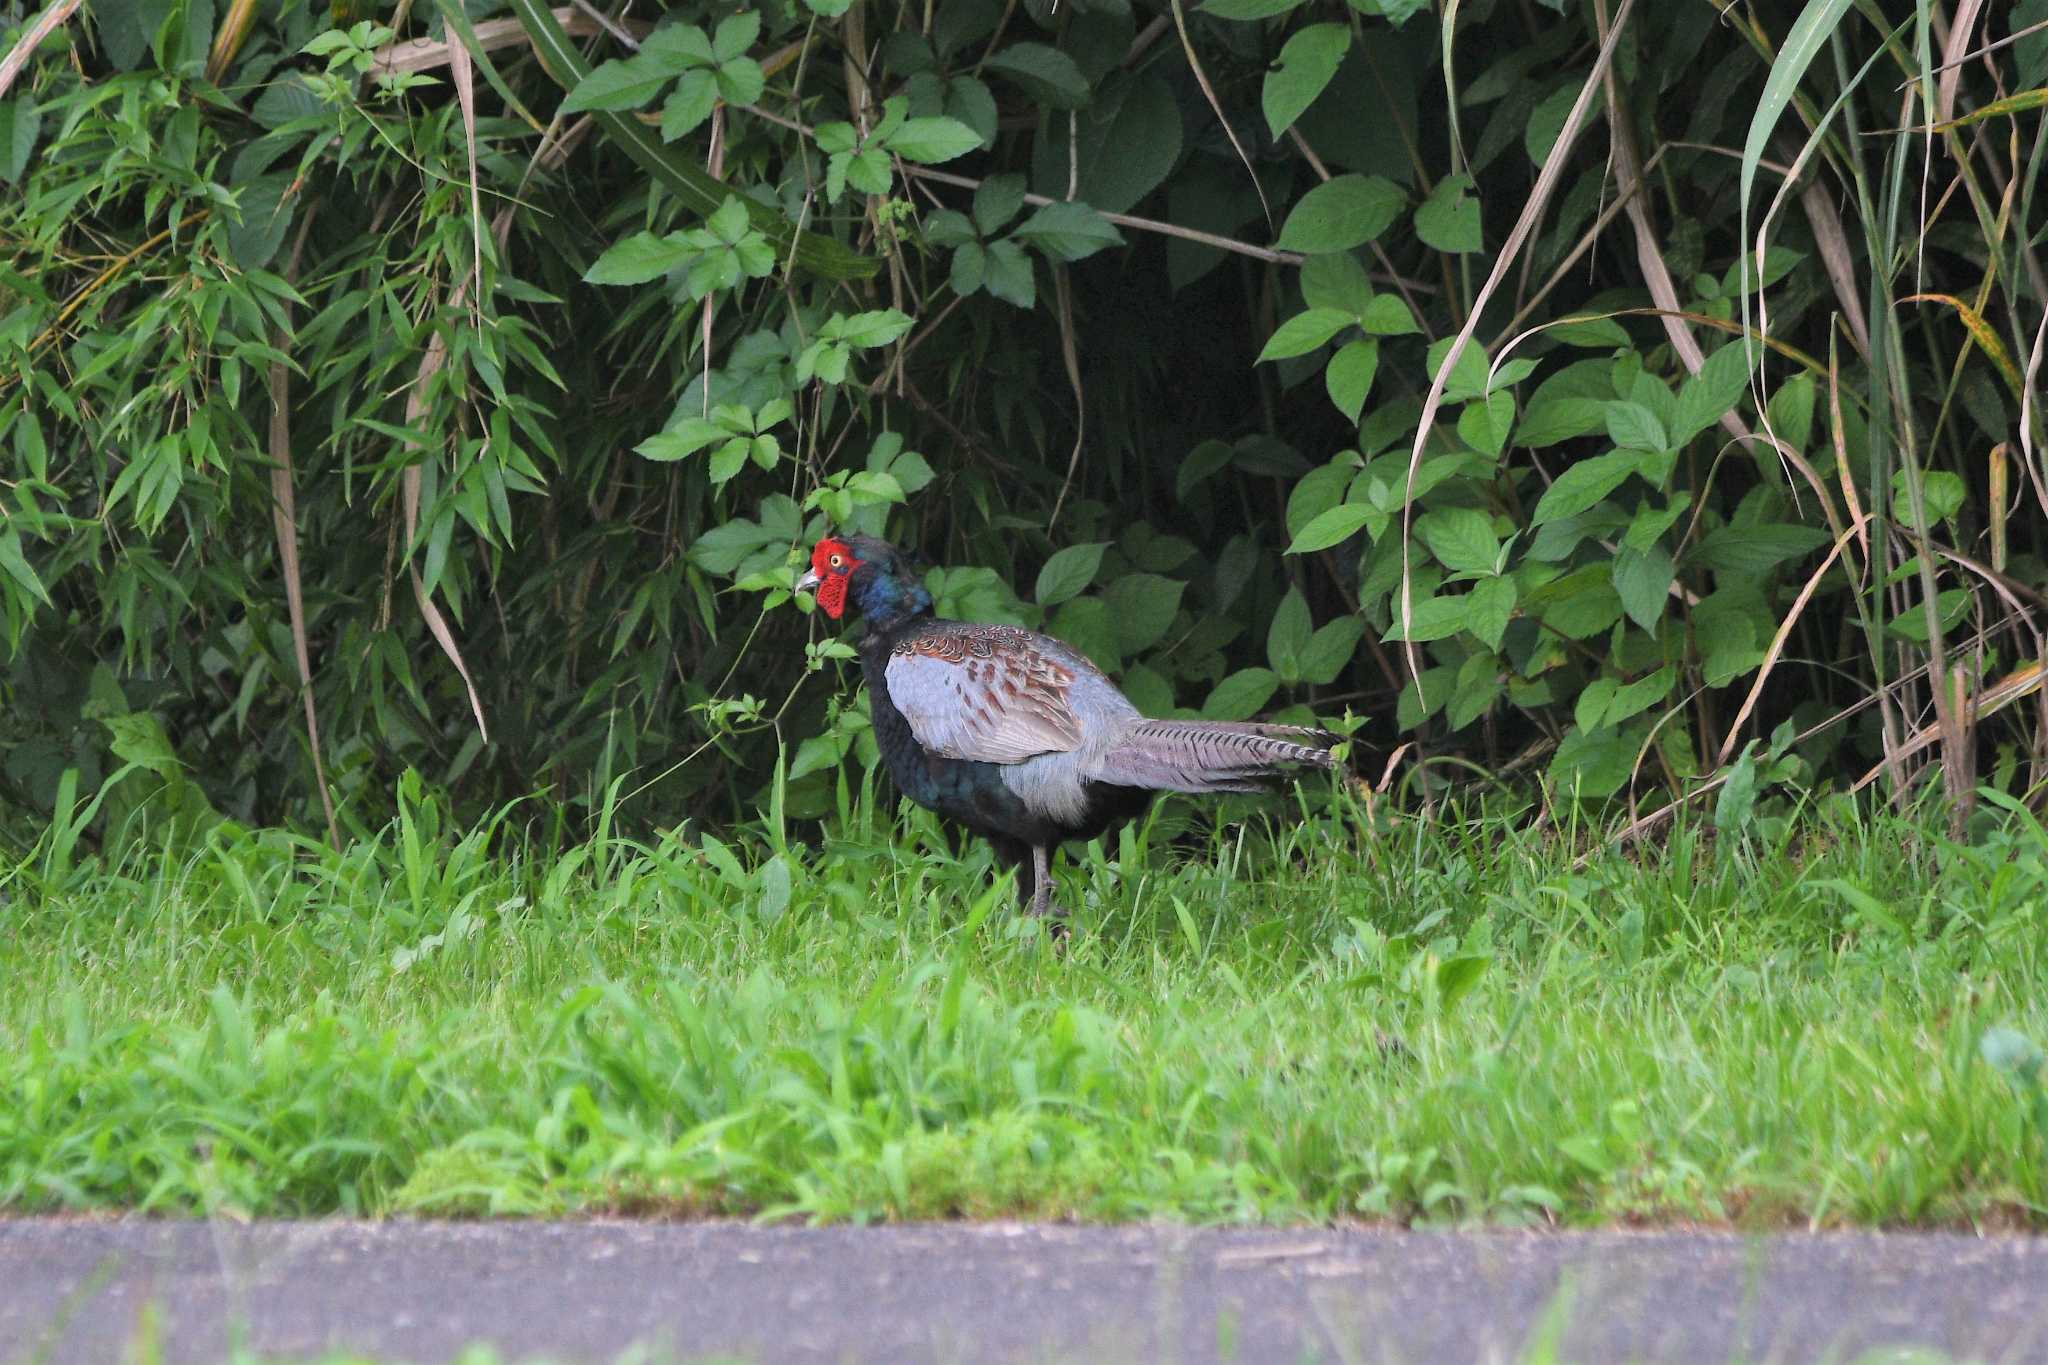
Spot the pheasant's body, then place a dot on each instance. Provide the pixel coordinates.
(1018, 736)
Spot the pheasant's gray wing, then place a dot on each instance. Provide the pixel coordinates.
(985, 693)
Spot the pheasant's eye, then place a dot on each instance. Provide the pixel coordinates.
(838, 561)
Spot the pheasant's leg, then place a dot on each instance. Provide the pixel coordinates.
(1041, 877)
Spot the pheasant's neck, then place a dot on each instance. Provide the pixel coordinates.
(889, 604)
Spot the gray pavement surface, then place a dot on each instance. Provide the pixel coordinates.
(104, 1291)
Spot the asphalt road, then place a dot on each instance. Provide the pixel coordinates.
(102, 1291)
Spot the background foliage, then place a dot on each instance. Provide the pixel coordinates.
(456, 387)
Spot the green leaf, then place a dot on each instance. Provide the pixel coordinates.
(1634, 427)
(1241, 695)
(1592, 766)
(741, 81)
(1478, 687)
(970, 267)
(1642, 580)
(1350, 374)
(999, 199)
(1342, 213)
(626, 83)
(692, 101)
(1068, 573)
(686, 437)
(1046, 74)
(1716, 389)
(638, 259)
(1388, 315)
(1449, 219)
(1009, 274)
(1337, 280)
(1142, 606)
(1461, 538)
(1304, 332)
(1484, 423)
(1308, 61)
(1488, 609)
(1427, 618)
(1337, 524)
(1754, 550)
(1584, 484)
(1330, 649)
(1068, 231)
(1552, 420)
(735, 35)
(929, 141)
(1941, 492)
(1289, 635)
(868, 330)
(1581, 604)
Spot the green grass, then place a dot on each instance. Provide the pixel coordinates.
(1831, 1020)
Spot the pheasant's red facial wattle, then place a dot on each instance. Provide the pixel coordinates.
(833, 562)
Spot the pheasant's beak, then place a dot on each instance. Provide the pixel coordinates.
(809, 582)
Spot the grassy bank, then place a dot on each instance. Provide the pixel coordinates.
(1834, 1020)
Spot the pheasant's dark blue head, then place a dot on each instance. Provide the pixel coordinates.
(876, 577)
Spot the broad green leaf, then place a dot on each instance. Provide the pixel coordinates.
(692, 101)
(1068, 231)
(1350, 374)
(1478, 686)
(1461, 538)
(1551, 420)
(1289, 635)
(1427, 618)
(1068, 573)
(1304, 332)
(1317, 491)
(1337, 524)
(1650, 523)
(1581, 604)
(1241, 695)
(1046, 74)
(1307, 62)
(970, 267)
(626, 83)
(1009, 274)
(1942, 492)
(1343, 213)
(1593, 766)
(1336, 280)
(1142, 607)
(1632, 699)
(1584, 484)
(1634, 427)
(929, 141)
(735, 35)
(686, 437)
(1716, 389)
(1449, 219)
(1388, 315)
(1488, 609)
(1484, 423)
(638, 259)
(1642, 580)
(1423, 697)
(1753, 550)
(999, 199)
(741, 81)
(866, 330)
(1330, 649)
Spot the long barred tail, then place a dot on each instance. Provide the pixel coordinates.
(1212, 755)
